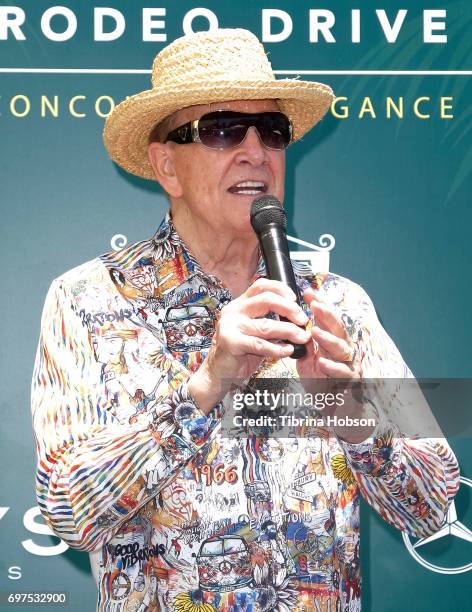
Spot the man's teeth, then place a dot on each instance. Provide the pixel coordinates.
(249, 187)
(250, 184)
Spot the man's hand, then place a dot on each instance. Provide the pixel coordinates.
(332, 362)
(244, 336)
(333, 353)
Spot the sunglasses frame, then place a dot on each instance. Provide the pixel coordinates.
(187, 133)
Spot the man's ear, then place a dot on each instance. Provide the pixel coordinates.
(161, 159)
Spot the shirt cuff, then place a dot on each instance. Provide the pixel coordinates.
(377, 455)
(180, 424)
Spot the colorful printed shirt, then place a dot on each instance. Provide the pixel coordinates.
(176, 516)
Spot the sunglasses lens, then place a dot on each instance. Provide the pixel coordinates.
(274, 130)
(227, 129)
(221, 130)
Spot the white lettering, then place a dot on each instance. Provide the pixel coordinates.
(14, 572)
(199, 12)
(391, 32)
(267, 16)
(324, 26)
(429, 26)
(11, 18)
(69, 17)
(41, 529)
(356, 26)
(150, 24)
(99, 13)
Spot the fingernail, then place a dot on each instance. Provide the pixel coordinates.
(303, 317)
(303, 336)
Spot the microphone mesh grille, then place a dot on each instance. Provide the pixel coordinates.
(267, 209)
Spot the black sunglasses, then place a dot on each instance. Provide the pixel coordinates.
(225, 129)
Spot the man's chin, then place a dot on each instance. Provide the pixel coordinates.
(244, 228)
(240, 206)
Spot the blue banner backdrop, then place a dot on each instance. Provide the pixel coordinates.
(388, 173)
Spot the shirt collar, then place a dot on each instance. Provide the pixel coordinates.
(168, 244)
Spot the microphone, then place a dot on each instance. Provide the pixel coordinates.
(269, 221)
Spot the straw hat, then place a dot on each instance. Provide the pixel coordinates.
(201, 68)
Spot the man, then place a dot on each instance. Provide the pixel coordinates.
(137, 347)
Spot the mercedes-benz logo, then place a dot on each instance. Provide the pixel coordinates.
(451, 527)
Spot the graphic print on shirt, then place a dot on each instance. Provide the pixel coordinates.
(181, 518)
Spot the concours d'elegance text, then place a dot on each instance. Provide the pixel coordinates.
(80, 106)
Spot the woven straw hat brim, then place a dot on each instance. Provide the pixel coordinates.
(127, 129)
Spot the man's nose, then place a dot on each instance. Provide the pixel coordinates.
(251, 150)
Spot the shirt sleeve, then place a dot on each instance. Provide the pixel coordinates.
(94, 471)
(409, 479)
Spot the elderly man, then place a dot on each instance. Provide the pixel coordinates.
(136, 347)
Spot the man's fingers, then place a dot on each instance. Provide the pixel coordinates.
(274, 286)
(307, 366)
(325, 314)
(262, 303)
(252, 345)
(270, 329)
(337, 348)
(334, 369)
(328, 319)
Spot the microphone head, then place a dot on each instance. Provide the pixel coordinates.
(267, 209)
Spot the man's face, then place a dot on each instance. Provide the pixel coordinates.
(208, 182)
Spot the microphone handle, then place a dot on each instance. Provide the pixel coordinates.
(274, 247)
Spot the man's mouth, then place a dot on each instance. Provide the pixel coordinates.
(249, 188)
